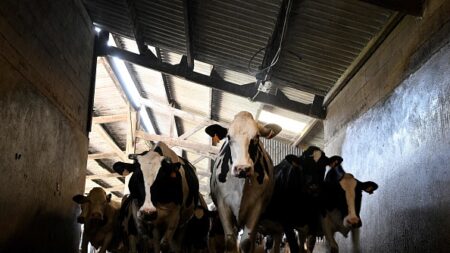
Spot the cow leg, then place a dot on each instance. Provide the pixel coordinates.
(329, 234)
(175, 245)
(247, 243)
(132, 242)
(276, 243)
(292, 240)
(156, 240)
(310, 242)
(225, 216)
(106, 242)
(84, 241)
(355, 240)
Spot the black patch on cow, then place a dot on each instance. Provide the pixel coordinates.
(158, 150)
(136, 184)
(192, 181)
(167, 187)
(226, 161)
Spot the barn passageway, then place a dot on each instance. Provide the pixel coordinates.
(368, 82)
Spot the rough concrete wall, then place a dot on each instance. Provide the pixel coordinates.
(392, 126)
(45, 60)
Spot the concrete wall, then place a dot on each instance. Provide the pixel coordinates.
(391, 124)
(45, 63)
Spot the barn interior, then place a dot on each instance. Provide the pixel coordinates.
(84, 83)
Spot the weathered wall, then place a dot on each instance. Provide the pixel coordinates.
(45, 61)
(392, 126)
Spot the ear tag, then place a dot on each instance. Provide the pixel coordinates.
(173, 174)
(215, 139)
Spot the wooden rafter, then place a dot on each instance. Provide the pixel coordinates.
(104, 176)
(109, 118)
(108, 139)
(101, 155)
(131, 131)
(411, 7)
(202, 149)
(179, 113)
(299, 138)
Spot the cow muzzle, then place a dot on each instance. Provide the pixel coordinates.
(352, 222)
(148, 214)
(242, 171)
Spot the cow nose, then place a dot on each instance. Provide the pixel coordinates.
(352, 221)
(96, 216)
(148, 214)
(242, 171)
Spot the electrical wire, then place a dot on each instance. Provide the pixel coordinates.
(277, 54)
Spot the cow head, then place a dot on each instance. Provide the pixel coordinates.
(160, 176)
(243, 141)
(93, 205)
(353, 196)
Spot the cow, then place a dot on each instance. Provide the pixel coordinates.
(341, 206)
(164, 191)
(100, 218)
(242, 178)
(303, 201)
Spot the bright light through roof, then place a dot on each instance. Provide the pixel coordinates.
(130, 89)
(286, 123)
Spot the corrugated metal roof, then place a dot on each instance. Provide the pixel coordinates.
(323, 40)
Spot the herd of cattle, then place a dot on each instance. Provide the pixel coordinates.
(301, 198)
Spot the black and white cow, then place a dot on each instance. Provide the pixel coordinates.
(302, 201)
(242, 178)
(164, 192)
(341, 206)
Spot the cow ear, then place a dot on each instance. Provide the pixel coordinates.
(269, 131)
(369, 187)
(216, 130)
(80, 199)
(108, 197)
(120, 167)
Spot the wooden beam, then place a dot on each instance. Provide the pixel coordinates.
(137, 30)
(411, 7)
(107, 138)
(104, 176)
(131, 131)
(101, 156)
(297, 140)
(109, 118)
(247, 91)
(206, 150)
(179, 113)
(194, 130)
(118, 188)
(198, 160)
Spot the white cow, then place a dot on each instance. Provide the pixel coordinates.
(242, 178)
